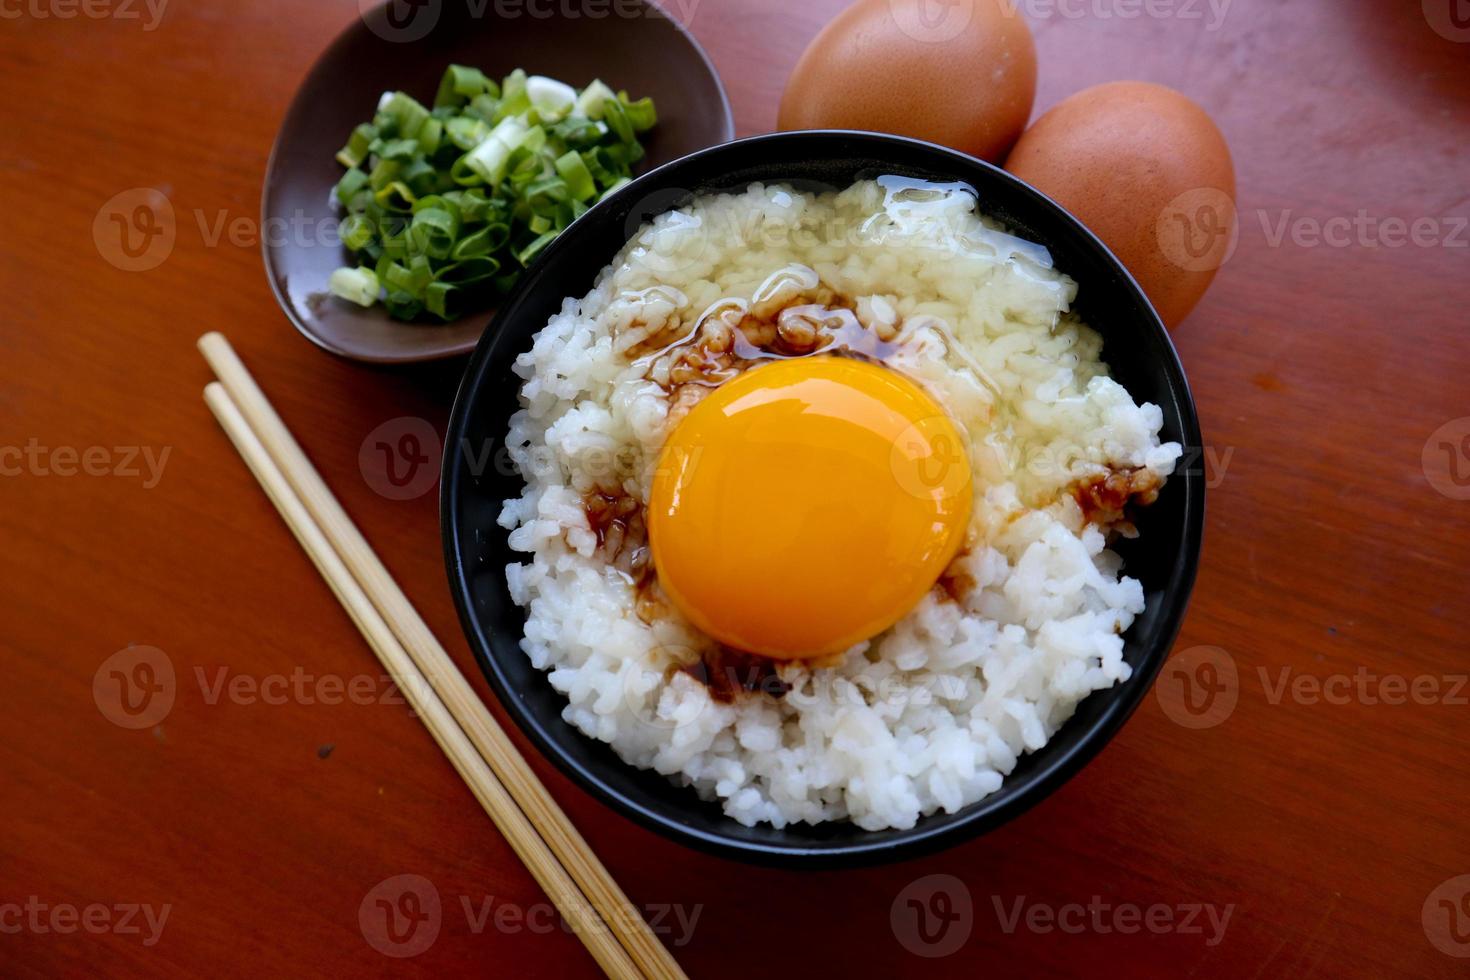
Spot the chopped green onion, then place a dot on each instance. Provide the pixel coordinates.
(403, 306)
(551, 99)
(444, 206)
(485, 242)
(473, 206)
(590, 102)
(514, 100)
(431, 134)
(358, 285)
(421, 177)
(491, 158)
(449, 201)
(352, 181)
(578, 177)
(543, 196)
(463, 174)
(468, 271)
(579, 133)
(641, 114)
(399, 151)
(395, 196)
(410, 279)
(356, 232)
(384, 263)
(465, 132)
(434, 232)
(437, 297)
(525, 255)
(459, 85)
(357, 146)
(383, 173)
(615, 114)
(407, 112)
(534, 140)
(485, 107)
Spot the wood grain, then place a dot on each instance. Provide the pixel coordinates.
(1321, 372)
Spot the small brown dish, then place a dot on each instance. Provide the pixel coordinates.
(631, 45)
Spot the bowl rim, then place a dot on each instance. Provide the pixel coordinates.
(428, 352)
(1053, 768)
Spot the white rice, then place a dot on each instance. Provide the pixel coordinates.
(932, 714)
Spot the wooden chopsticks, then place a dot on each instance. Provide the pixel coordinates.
(479, 749)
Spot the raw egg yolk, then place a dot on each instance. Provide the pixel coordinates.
(807, 505)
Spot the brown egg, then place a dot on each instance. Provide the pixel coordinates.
(1148, 171)
(961, 74)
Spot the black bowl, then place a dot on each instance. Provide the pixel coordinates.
(1137, 348)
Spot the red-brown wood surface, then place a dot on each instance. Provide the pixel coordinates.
(1324, 819)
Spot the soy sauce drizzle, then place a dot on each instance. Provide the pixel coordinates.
(729, 673)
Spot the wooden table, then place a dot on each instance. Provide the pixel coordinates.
(277, 793)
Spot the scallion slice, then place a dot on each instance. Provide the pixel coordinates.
(358, 285)
(578, 178)
(525, 255)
